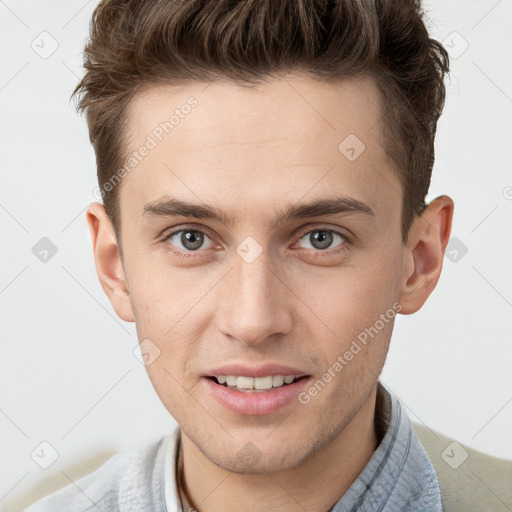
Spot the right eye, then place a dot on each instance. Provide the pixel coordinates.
(187, 240)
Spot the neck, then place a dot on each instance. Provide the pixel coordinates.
(314, 485)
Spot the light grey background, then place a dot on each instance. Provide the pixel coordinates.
(68, 374)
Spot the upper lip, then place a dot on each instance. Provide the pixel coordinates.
(255, 371)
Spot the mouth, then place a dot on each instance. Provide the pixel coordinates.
(254, 391)
(247, 384)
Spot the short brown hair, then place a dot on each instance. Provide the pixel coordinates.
(134, 44)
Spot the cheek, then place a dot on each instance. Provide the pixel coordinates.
(351, 299)
(161, 295)
(352, 292)
(163, 315)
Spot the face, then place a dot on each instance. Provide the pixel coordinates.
(248, 282)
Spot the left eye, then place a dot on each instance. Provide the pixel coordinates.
(321, 239)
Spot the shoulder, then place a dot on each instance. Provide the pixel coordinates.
(469, 480)
(133, 477)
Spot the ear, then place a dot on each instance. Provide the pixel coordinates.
(108, 261)
(427, 241)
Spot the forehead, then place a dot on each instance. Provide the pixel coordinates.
(277, 141)
(295, 108)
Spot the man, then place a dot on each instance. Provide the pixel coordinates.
(264, 167)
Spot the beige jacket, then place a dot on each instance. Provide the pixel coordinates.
(470, 481)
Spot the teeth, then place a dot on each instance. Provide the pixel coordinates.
(262, 382)
(277, 380)
(243, 383)
(231, 380)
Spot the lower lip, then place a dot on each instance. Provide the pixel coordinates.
(256, 403)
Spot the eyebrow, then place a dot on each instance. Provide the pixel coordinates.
(172, 207)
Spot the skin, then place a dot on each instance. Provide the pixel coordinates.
(251, 153)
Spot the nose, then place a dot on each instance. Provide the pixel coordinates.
(256, 303)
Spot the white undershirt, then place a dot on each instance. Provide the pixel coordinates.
(175, 498)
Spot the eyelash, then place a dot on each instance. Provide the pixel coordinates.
(316, 253)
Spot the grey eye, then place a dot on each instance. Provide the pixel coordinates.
(321, 239)
(190, 239)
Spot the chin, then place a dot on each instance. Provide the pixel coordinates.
(251, 460)
(259, 453)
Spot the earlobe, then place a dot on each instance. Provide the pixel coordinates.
(428, 238)
(109, 266)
